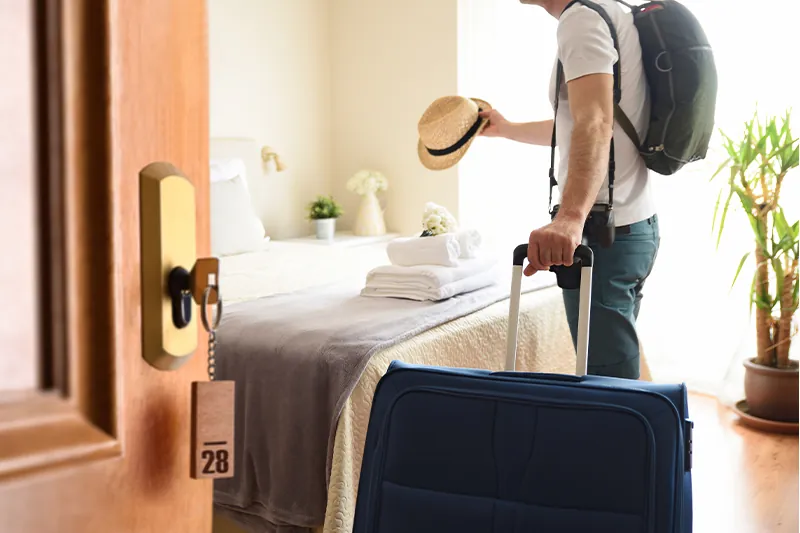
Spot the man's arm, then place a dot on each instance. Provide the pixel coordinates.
(538, 133)
(591, 106)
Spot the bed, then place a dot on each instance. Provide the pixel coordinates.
(475, 340)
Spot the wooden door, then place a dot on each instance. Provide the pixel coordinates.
(93, 438)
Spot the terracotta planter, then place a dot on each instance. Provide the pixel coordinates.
(772, 393)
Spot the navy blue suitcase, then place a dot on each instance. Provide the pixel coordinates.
(473, 451)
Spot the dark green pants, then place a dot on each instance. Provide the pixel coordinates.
(618, 277)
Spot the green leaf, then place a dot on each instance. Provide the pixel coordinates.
(772, 131)
(721, 168)
(730, 147)
(758, 297)
(786, 130)
(796, 295)
(792, 161)
(765, 305)
(794, 241)
(778, 268)
(787, 235)
(781, 226)
(781, 148)
(761, 238)
(739, 270)
(745, 199)
(761, 145)
(716, 209)
(723, 217)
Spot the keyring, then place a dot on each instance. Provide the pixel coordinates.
(204, 308)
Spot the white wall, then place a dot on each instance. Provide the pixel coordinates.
(391, 60)
(506, 53)
(270, 69)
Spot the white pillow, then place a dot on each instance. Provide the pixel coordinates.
(235, 227)
(224, 169)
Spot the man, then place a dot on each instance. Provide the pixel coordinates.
(585, 124)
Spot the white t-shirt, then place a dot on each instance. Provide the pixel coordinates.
(585, 47)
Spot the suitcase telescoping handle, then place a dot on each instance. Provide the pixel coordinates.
(583, 260)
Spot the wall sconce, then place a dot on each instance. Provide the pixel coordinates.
(267, 155)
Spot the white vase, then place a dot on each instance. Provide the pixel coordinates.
(369, 219)
(326, 228)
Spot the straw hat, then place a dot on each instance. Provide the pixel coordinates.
(447, 129)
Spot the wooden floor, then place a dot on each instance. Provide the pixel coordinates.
(744, 481)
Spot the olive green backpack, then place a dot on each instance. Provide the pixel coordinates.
(682, 78)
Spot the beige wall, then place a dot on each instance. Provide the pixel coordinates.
(270, 68)
(390, 60)
(335, 86)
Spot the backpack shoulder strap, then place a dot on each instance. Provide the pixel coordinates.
(626, 125)
(612, 30)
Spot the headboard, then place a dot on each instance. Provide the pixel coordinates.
(269, 190)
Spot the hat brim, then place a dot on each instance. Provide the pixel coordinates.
(442, 162)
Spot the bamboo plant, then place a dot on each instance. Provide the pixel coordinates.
(759, 163)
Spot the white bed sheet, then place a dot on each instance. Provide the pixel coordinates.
(288, 266)
(474, 341)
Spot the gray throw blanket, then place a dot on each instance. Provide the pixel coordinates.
(295, 359)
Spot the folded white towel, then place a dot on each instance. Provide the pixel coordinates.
(419, 292)
(428, 276)
(469, 240)
(442, 250)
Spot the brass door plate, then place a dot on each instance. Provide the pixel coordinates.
(168, 234)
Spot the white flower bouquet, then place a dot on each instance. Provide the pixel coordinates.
(367, 181)
(437, 220)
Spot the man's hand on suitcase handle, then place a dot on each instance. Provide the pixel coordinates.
(553, 245)
(568, 277)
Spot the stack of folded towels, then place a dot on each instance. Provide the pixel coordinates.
(432, 268)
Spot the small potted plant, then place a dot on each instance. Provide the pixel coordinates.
(758, 164)
(323, 212)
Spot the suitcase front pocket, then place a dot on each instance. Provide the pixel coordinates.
(516, 463)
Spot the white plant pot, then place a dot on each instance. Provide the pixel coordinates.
(325, 228)
(369, 220)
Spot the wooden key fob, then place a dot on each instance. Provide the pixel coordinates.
(212, 401)
(212, 429)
